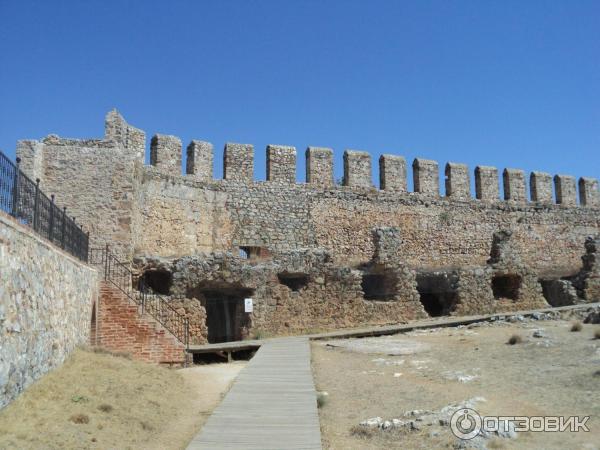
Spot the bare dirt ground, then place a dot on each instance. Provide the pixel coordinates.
(555, 374)
(101, 401)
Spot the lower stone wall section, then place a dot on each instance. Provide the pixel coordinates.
(122, 327)
(46, 300)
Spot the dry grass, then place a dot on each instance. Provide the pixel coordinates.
(80, 418)
(576, 326)
(105, 408)
(105, 351)
(362, 432)
(106, 399)
(259, 334)
(515, 339)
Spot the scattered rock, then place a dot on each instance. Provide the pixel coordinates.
(388, 362)
(593, 317)
(372, 423)
(459, 376)
(539, 333)
(390, 345)
(516, 318)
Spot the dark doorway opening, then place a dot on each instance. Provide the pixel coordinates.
(506, 286)
(158, 281)
(438, 292)
(223, 356)
(380, 285)
(224, 304)
(295, 281)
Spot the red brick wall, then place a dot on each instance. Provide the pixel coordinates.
(121, 327)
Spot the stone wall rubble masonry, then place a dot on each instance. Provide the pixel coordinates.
(319, 166)
(32, 158)
(566, 190)
(199, 162)
(357, 169)
(281, 164)
(183, 217)
(238, 162)
(388, 244)
(515, 189)
(142, 210)
(318, 229)
(94, 179)
(165, 153)
(486, 183)
(540, 184)
(392, 173)
(458, 183)
(426, 177)
(589, 194)
(332, 297)
(588, 280)
(46, 302)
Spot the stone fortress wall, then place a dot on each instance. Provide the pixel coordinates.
(155, 211)
(47, 299)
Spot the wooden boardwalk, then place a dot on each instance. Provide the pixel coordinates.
(445, 321)
(271, 405)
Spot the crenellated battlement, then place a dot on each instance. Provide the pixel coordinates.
(238, 165)
(105, 184)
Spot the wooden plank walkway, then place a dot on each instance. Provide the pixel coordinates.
(271, 405)
(445, 321)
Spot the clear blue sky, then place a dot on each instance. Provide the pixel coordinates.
(504, 83)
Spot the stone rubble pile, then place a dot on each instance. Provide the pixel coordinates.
(440, 420)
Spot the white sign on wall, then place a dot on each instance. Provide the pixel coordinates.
(248, 305)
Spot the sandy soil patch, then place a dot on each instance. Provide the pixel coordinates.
(553, 374)
(101, 401)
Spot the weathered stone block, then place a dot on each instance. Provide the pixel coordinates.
(281, 163)
(426, 177)
(458, 184)
(200, 160)
(387, 242)
(165, 153)
(117, 130)
(566, 190)
(514, 185)
(392, 173)
(32, 158)
(588, 192)
(503, 251)
(486, 183)
(319, 166)
(357, 169)
(540, 184)
(238, 162)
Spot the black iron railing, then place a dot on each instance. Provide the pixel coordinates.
(23, 199)
(121, 276)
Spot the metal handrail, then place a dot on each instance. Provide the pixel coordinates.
(23, 199)
(121, 276)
